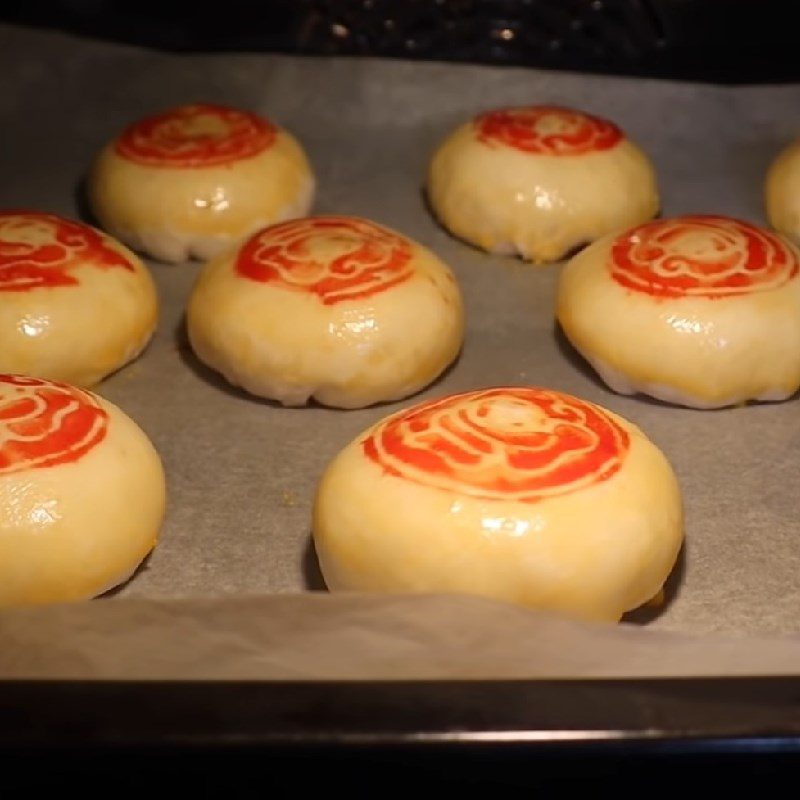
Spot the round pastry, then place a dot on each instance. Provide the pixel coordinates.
(81, 493)
(195, 180)
(783, 192)
(335, 308)
(76, 305)
(703, 311)
(539, 181)
(520, 494)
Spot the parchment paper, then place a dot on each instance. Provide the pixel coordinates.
(358, 637)
(242, 471)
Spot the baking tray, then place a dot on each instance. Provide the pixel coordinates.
(218, 600)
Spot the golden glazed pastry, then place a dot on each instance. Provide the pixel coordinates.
(520, 494)
(193, 181)
(75, 305)
(539, 181)
(335, 308)
(81, 493)
(703, 311)
(783, 192)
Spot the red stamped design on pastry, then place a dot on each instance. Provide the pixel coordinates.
(547, 130)
(44, 423)
(701, 256)
(199, 135)
(523, 444)
(335, 258)
(41, 250)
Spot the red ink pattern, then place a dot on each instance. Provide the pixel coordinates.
(335, 258)
(44, 423)
(701, 256)
(523, 444)
(547, 130)
(40, 250)
(200, 135)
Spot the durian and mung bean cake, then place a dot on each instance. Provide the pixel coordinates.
(242, 471)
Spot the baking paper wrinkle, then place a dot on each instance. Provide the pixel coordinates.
(357, 637)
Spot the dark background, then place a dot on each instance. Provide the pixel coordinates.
(728, 41)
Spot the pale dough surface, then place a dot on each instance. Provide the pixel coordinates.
(538, 206)
(177, 213)
(289, 346)
(695, 351)
(72, 531)
(783, 192)
(592, 553)
(80, 334)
